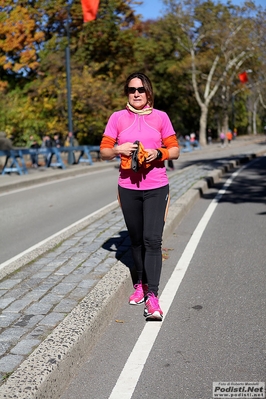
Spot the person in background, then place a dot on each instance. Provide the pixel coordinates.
(34, 156)
(229, 136)
(222, 138)
(170, 164)
(47, 143)
(143, 192)
(57, 143)
(5, 143)
(209, 137)
(192, 137)
(71, 141)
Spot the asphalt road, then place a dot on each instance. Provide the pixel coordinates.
(30, 215)
(213, 291)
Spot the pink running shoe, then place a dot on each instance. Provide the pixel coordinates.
(152, 309)
(139, 295)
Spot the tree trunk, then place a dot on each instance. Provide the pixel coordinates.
(203, 125)
(225, 126)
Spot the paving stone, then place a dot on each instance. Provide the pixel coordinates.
(25, 272)
(4, 347)
(103, 268)
(82, 270)
(86, 241)
(63, 288)
(90, 263)
(109, 262)
(49, 256)
(86, 250)
(86, 283)
(18, 305)
(40, 332)
(65, 306)
(42, 274)
(80, 292)
(6, 301)
(51, 267)
(70, 242)
(70, 252)
(54, 279)
(56, 262)
(6, 319)
(11, 335)
(33, 282)
(73, 278)
(39, 308)
(18, 291)
(80, 257)
(10, 362)
(60, 251)
(34, 295)
(25, 346)
(28, 321)
(47, 286)
(53, 298)
(7, 284)
(66, 269)
(52, 319)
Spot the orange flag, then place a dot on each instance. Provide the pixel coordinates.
(89, 8)
(243, 77)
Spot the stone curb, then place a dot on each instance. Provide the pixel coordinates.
(48, 369)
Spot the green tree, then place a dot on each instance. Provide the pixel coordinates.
(216, 38)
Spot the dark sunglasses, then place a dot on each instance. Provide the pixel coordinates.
(132, 90)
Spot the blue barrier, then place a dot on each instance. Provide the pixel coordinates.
(17, 163)
(188, 146)
(14, 167)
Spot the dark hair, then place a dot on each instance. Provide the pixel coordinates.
(146, 84)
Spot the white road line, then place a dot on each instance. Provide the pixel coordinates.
(132, 370)
(55, 181)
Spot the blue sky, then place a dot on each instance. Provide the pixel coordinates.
(151, 9)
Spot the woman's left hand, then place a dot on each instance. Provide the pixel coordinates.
(152, 155)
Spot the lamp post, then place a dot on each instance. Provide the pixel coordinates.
(68, 76)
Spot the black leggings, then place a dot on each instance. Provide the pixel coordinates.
(145, 212)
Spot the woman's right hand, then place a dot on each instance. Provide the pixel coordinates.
(126, 149)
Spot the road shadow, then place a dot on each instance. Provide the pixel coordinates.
(121, 245)
(246, 187)
(217, 163)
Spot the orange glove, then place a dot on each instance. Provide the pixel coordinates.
(142, 155)
(125, 162)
